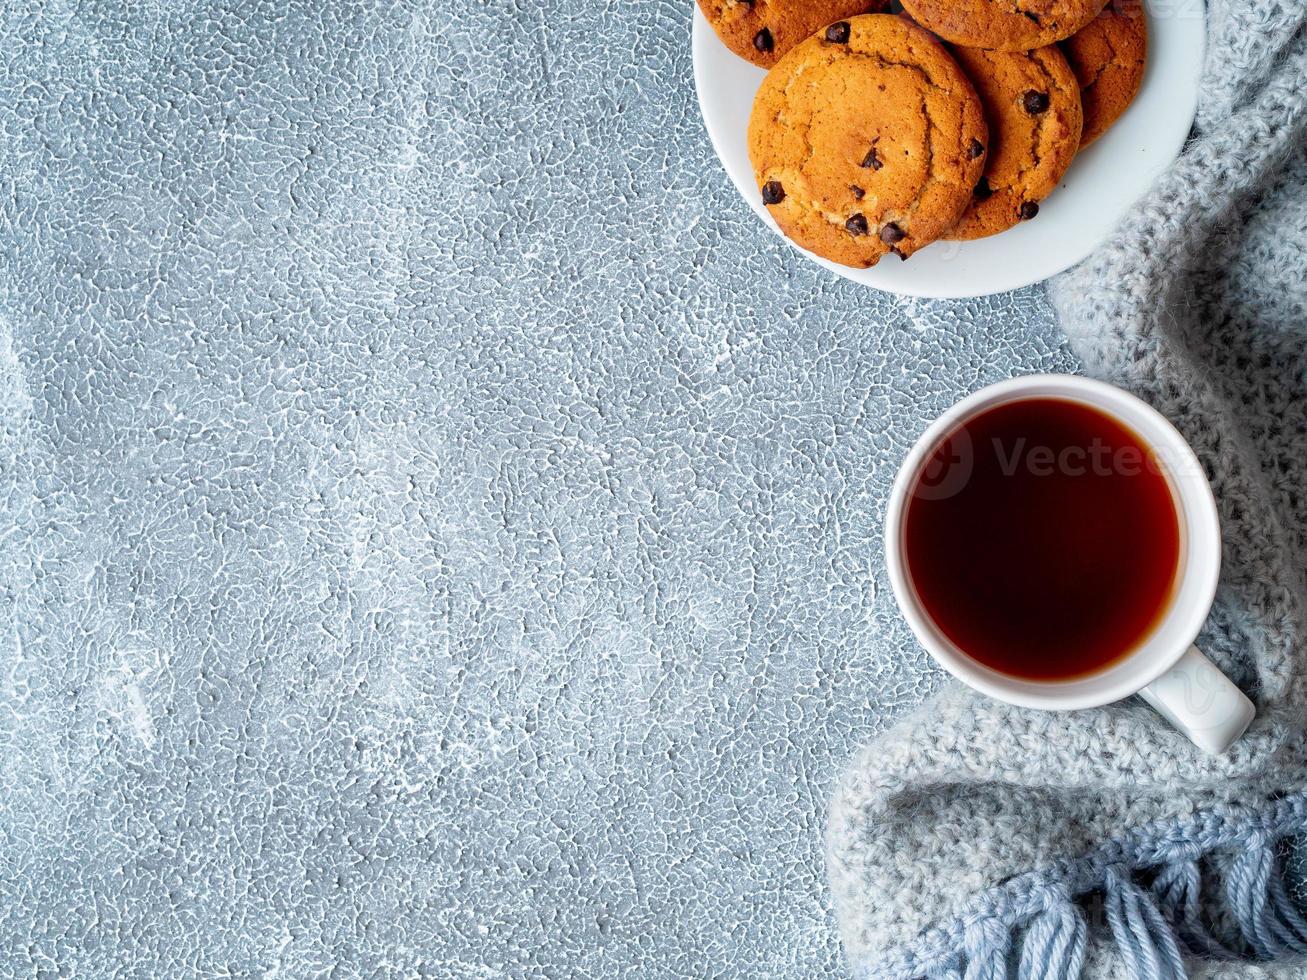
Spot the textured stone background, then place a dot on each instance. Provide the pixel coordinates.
(441, 527)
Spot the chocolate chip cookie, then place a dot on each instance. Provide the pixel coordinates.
(1032, 107)
(1005, 25)
(867, 141)
(1108, 57)
(764, 31)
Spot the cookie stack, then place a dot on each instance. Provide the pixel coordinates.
(876, 133)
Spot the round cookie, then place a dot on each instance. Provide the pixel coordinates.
(764, 31)
(1032, 107)
(1108, 57)
(1003, 25)
(867, 144)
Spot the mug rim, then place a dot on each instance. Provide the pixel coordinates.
(1197, 575)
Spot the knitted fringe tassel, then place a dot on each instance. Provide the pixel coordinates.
(1149, 926)
(1145, 940)
(1178, 890)
(1255, 890)
(1054, 944)
(988, 945)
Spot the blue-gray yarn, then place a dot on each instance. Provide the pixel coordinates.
(1144, 938)
(1041, 915)
(1177, 888)
(986, 945)
(1054, 945)
(1267, 918)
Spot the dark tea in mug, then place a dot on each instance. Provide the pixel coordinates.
(1042, 538)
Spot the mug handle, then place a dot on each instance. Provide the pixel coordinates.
(1198, 699)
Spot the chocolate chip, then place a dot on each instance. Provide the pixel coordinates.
(976, 149)
(838, 33)
(872, 160)
(856, 225)
(1028, 210)
(1034, 102)
(1034, 17)
(982, 190)
(858, 192)
(763, 41)
(773, 192)
(902, 257)
(892, 234)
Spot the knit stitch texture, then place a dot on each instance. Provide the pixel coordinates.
(985, 840)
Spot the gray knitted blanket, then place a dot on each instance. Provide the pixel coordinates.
(982, 840)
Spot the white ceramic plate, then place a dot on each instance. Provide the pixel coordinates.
(1097, 190)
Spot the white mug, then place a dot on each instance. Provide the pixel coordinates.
(1166, 669)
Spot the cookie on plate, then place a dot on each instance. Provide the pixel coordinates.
(764, 31)
(1032, 107)
(1002, 24)
(1108, 57)
(867, 140)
